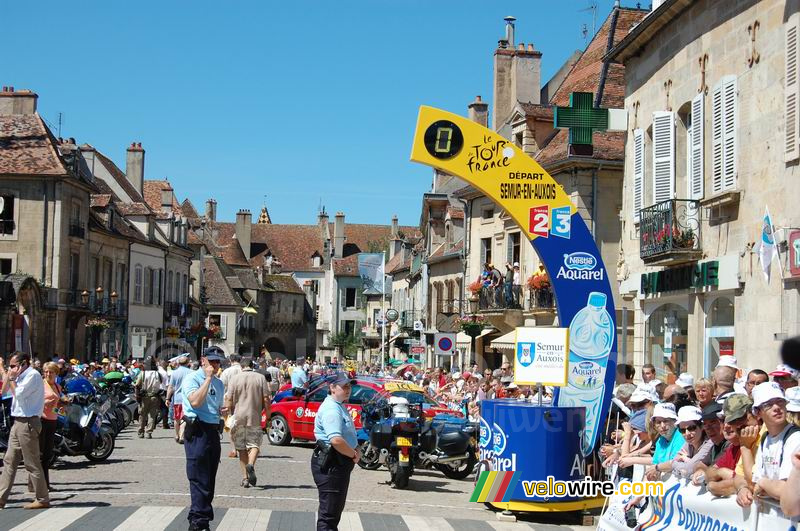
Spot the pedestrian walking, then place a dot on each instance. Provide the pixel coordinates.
(247, 396)
(148, 388)
(27, 389)
(52, 398)
(175, 397)
(274, 373)
(336, 452)
(226, 376)
(202, 394)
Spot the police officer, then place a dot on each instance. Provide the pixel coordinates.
(203, 395)
(336, 438)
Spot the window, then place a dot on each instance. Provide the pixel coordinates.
(349, 327)
(221, 321)
(137, 284)
(158, 280)
(719, 331)
(7, 224)
(168, 296)
(487, 214)
(694, 149)
(121, 270)
(94, 273)
(663, 156)
(108, 275)
(294, 307)
(486, 250)
(792, 90)
(361, 394)
(723, 135)
(666, 341)
(6, 266)
(319, 394)
(185, 288)
(638, 172)
(512, 247)
(74, 270)
(148, 286)
(350, 298)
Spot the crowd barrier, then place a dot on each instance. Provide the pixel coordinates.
(685, 506)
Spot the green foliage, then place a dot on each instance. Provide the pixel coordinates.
(346, 343)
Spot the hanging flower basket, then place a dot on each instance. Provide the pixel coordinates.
(537, 282)
(98, 323)
(475, 287)
(471, 324)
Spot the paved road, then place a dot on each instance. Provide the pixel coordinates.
(144, 483)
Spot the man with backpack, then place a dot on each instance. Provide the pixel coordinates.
(148, 392)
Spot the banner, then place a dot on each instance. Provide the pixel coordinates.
(541, 356)
(370, 269)
(685, 506)
(768, 249)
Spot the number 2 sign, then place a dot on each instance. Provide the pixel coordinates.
(540, 221)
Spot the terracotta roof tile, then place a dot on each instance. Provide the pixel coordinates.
(27, 147)
(218, 291)
(119, 177)
(100, 200)
(455, 213)
(284, 283)
(133, 209)
(608, 145)
(536, 110)
(188, 209)
(152, 196)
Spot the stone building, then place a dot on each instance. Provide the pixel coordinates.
(711, 93)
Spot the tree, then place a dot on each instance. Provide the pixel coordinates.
(346, 343)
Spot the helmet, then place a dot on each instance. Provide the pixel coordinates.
(79, 385)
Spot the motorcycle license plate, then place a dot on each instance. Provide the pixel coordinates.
(404, 441)
(403, 458)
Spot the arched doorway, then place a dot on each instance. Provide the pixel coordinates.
(276, 348)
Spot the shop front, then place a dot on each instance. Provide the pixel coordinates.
(688, 316)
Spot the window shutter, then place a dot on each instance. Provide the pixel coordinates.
(359, 294)
(663, 156)
(694, 142)
(723, 123)
(791, 90)
(223, 326)
(729, 133)
(510, 248)
(343, 297)
(638, 172)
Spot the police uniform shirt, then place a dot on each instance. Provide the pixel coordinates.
(333, 420)
(208, 411)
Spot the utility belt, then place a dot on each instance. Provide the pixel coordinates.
(195, 426)
(327, 456)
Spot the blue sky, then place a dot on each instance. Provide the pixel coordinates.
(301, 101)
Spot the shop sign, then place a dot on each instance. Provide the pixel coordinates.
(692, 276)
(542, 355)
(794, 253)
(726, 347)
(418, 350)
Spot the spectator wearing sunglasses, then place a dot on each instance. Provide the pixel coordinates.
(697, 448)
(737, 416)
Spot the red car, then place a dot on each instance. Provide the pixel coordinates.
(292, 417)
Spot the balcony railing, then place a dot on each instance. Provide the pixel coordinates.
(501, 297)
(175, 309)
(103, 305)
(541, 299)
(669, 231)
(76, 229)
(448, 306)
(407, 318)
(7, 226)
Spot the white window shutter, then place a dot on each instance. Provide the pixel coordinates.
(223, 326)
(792, 90)
(663, 156)
(716, 139)
(729, 132)
(695, 170)
(638, 172)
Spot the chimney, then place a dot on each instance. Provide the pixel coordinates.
(395, 243)
(503, 63)
(338, 235)
(134, 167)
(166, 199)
(479, 112)
(244, 227)
(526, 75)
(322, 218)
(17, 102)
(394, 226)
(211, 210)
(510, 31)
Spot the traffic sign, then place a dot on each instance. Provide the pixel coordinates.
(444, 344)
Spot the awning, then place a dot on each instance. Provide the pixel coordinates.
(505, 341)
(392, 340)
(464, 339)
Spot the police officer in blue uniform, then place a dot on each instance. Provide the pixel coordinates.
(203, 395)
(336, 452)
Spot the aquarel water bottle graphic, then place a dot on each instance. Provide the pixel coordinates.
(591, 336)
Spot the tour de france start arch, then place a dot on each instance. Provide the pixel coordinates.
(544, 212)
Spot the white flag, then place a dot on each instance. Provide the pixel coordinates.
(768, 248)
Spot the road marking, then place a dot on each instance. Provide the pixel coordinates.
(153, 517)
(350, 522)
(434, 523)
(244, 519)
(53, 519)
(280, 498)
(505, 526)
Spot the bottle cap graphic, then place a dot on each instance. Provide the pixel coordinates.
(597, 299)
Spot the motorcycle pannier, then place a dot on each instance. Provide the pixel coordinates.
(453, 443)
(427, 439)
(381, 436)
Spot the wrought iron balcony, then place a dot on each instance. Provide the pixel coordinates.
(76, 229)
(669, 232)
(407, 318)
(541, 299)
(174, 309)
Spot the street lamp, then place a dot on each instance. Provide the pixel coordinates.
(85, 297)
(114, 296)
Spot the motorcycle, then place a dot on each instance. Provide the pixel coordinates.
(80, 430)
(400, 434)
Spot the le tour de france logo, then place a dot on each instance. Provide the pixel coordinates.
(493, 152)
(580, 265)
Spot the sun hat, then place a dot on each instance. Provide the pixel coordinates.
(689, 414)
(727, 361)
(456, 376)
(784, 370)
(711, 411)
(665, 411)
(793, 396)
(643, 393)
(637, 420)
(736, 406)
(685, 380)
(764, 392)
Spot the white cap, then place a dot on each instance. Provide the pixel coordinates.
(793, 396)
(653, 383)
(785, 370)
(665, 411)
(643, 393)
(516, 264)
(764, 392)
(689, 414)
(456, 376)
(685, 380)
(727, 361)
(512, 385)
